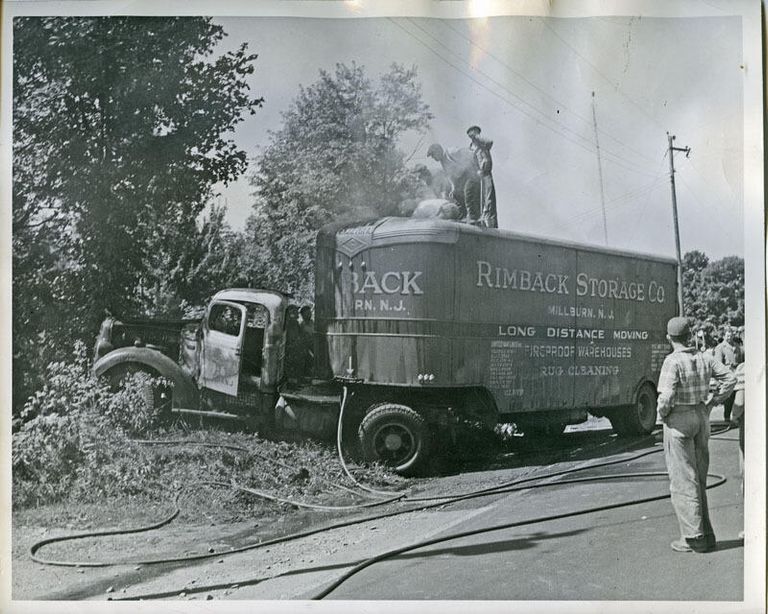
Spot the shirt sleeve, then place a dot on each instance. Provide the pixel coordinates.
(667, 382)
(719, 355)
(726, 381)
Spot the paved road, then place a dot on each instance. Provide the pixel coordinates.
(620, 554)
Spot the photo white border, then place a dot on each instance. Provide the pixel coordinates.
(754, 257)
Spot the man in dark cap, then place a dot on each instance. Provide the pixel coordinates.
(482, 149)
(684, 404)
(461, 168)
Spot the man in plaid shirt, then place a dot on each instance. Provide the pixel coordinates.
(684, 403)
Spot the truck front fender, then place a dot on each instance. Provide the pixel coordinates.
(184, 390)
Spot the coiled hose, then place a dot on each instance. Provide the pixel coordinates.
(505, 487)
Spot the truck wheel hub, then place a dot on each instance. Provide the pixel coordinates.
(393, 442)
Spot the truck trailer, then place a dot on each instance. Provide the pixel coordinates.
(426, 324)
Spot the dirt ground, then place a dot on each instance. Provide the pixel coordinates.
(223, 574)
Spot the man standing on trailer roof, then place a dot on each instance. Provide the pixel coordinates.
(482, 149)
(684, 404)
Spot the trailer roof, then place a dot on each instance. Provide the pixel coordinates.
(399, 230)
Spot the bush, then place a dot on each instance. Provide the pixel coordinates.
(74, 438)
(75, 447)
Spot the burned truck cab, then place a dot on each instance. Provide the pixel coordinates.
(229, 364)
(237, 356)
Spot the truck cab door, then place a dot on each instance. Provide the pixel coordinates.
(222, 344)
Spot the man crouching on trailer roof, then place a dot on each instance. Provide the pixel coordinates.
(684, 404)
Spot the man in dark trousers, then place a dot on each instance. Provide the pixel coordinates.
(461, 168)
(731, 355)
(482, 150)
(683, 405)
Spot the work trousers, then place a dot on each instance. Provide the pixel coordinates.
(686, 451)
(728, 407)
(472, 194)
(488, 202)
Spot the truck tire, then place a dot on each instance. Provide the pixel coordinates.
(639, 418)
(158, 399)
(394, 435)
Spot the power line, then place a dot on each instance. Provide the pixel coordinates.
(598, 72)
(622, 201)
(512, 104)
(645, 204)
(540, 90)
(523, 101)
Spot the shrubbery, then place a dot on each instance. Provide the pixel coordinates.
(74, 435)
(75, 446)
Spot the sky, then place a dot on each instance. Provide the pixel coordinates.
(529, 83)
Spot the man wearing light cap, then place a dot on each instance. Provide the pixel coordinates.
(683, 405)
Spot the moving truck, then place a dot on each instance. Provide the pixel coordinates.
(425, 324)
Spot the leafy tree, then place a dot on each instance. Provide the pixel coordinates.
(204, 261)
(713, 292)
(121, 127)
(694, 264)
(336, 157)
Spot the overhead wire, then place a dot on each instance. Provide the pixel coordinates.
(641, 212)
(542, 91)
(552, 125)
(586, 147)
(597, 71)
(614, 85)
(622, 200)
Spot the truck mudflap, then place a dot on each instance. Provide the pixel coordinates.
(184, 390)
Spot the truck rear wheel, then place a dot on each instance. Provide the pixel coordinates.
(639, 418)
(394, 435)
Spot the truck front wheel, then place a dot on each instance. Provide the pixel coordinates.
(394, 435)
(157, 397)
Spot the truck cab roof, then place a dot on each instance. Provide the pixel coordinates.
(269, 298)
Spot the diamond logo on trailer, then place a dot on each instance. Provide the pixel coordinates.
(351, 246)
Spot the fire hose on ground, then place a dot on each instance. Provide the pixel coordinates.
(425, 503)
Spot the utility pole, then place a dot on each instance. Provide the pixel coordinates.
(687, 150)
(599, 169)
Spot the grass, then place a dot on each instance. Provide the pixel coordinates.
(78, 454)
(296, 471)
